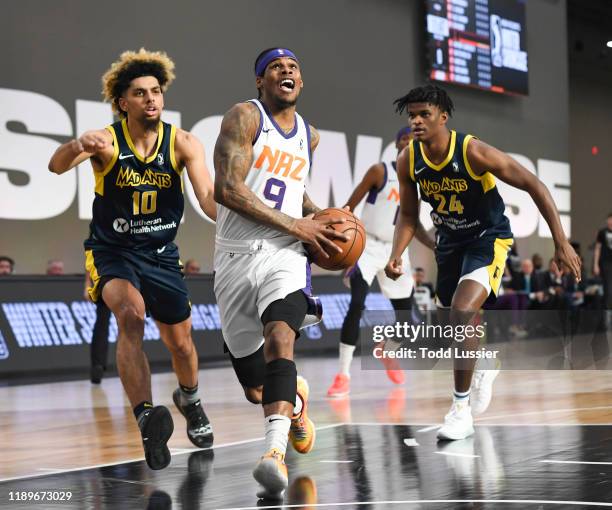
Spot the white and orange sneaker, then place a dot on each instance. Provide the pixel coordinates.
(271, 473)
(340, 387)
(302, 432)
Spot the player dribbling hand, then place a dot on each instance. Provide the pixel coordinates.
(393, 269)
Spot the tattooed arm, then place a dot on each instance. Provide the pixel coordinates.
(233, 157)
(308, 207)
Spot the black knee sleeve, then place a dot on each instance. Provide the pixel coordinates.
(280, 382)
(250, 370)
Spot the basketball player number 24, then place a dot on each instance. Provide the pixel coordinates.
(275, 191)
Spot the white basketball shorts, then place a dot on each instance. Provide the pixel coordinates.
(372, 264)
(249, 275)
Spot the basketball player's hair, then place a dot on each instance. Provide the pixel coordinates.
(132, 65)
(431, 94)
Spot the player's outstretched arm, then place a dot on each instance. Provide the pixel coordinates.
(407, 218)
(91, 144)
(190, 153)
(483, 158)
(233, 157)
(372, 179)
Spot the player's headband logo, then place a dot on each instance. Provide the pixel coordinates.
(271, 55)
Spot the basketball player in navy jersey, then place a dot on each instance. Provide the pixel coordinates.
(130, 255)
(262, 277)
(380, 184)
(456, 175)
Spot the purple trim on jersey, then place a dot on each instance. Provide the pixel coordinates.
(394, 165)
(385, 178)
(271, 55)
(373, 194)
(281, 132)
(308, 288)
(260, 122)
(353, 270)
(308, 141)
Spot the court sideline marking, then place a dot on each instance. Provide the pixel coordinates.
(51, 471)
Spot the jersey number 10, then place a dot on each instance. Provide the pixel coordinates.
(145, 203)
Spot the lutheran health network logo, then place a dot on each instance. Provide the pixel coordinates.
(121, 225)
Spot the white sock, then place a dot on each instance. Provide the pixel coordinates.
(277, 432)
(298, 405)
(461, 397)
(346, 356)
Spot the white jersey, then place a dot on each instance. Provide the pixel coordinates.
(281, 163)
(382, 207)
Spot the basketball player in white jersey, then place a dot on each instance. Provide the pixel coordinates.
(379, 213)
(262, 277)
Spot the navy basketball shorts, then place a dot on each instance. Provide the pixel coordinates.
(482, 259)
(157, 274)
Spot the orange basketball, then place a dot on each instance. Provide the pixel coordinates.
(351, 249)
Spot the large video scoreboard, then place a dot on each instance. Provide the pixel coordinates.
(478, 43)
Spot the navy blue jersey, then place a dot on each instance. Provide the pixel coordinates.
(464, 205)
(139, 201)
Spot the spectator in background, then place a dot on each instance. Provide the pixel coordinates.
(573, 290)
(191, 267)
(55, 267)
(7, 265)
(602, 262)
(538, 262)
(526, 283)
(528, 289)
(553, 286)
(419, 280)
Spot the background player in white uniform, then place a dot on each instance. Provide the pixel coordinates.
(379, 213)
(262, 277)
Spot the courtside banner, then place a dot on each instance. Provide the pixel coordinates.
(46, 324)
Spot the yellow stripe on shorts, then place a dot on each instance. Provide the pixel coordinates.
(496, 268)
(90, 266)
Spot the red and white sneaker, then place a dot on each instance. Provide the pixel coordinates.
(394, 370)
(340, 387)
